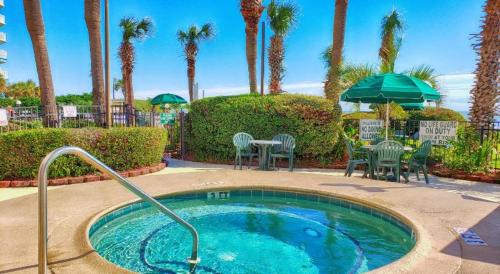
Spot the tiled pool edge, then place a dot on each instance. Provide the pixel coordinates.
(391, 267)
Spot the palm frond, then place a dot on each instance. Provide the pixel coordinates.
(392, 24)
(128, 26)
(207, 31)
(351, 74)
(282, 16)
(182, 37)
(144, 28)
(425, 73)
(326, 56)
(194, 34)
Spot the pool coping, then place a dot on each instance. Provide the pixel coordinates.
(402, 263)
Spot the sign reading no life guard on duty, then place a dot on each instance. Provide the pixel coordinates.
(438, 132)
(369, 129)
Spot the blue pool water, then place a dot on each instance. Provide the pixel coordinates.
(253, 231)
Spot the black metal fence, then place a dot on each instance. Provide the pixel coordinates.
(474, 144)
(20, 118)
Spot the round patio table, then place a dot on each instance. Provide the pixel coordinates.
(370, 149)
(263, 146)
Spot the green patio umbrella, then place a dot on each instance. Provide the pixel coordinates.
(168, 98)
(412, 106)
(390, 87)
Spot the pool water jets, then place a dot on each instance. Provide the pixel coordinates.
(253, 231)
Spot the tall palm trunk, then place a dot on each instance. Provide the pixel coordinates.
(485, 94)
(127, 57)
(251, 11)
(276, 56)
(332, 86)
(191, 63)
(93, 21)
(36, 29)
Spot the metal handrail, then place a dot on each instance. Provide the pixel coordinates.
(42, 202)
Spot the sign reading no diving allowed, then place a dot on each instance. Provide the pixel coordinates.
(370, 129)
(438, 132)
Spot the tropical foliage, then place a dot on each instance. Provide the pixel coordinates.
(190, 39)
(132, 30)
(23, 89)
(251, 10)
(485, 94)
(282, 17)
(391, 32)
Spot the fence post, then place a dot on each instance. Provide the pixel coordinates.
(183, 149)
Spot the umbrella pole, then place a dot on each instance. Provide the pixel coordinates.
(387, 121)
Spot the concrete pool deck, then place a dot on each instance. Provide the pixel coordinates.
(434, 209)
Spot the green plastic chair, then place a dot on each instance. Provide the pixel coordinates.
(418, 160)
(283, 150)
(241, 141)
(388, 155)
(356, 158)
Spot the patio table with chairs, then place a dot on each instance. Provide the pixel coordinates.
(388, 155)
(280, 147)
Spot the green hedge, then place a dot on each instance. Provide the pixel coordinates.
(122, 149)
(312, 120)
(436, 114)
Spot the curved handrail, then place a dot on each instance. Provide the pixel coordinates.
(42, 202)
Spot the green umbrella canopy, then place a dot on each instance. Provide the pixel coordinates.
(412, 106)
(168, 98)
(381, 88)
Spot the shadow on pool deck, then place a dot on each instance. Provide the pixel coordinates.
(472, 256)
(369, 188)
(22, 268)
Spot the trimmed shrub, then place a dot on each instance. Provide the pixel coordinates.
(311, 120)
(359, 115)
(122, 149)
(436, 114)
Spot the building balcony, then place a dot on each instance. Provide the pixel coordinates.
(4, 74)
(3, 37)
(3, 56)
(2, 20)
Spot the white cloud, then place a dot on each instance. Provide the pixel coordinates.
(456, 87)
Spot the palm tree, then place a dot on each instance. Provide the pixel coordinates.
(282, 16)
(3, 85)
(485, 94)
(251, 11)
(23, 89)
(332, 85)
(36, 29)
(132, 30)
(189, 40)
(93, 22)
(392, 30)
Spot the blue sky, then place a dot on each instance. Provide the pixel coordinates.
(437, 33)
